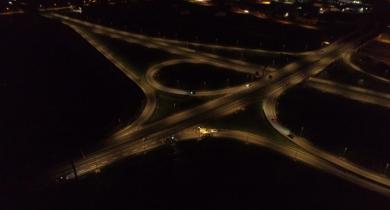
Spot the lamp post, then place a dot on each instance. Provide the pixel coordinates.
(345, 151)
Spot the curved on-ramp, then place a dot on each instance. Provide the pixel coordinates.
(313, 156)
(292, 152)
(185, 43)
(148, 91)
(347, 60)
(153, 70)
(376, 181)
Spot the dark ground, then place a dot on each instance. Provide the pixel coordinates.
(58, 95)
(200, 77)
(380, 69)
(179, 20)
(342, 73)
(212, 174)
(334, 123)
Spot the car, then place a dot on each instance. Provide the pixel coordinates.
(60, 179)
(192, 92)
(171, 139)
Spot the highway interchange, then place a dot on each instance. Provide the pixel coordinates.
(140, 137)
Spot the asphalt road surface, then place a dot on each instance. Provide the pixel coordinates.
(145, 137)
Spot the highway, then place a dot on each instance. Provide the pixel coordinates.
(350, 92)
(383, 38)
(146, 137)
(181, 45)
(48, 9)
(377, 56)
(377, 49)
(153, 70)
(347, 60)
(144, 84)
(85, 28)
(146, 41)
(269, 108)
(188, 44)
(274, 19)
(296, 153)
(149, 92)
(289, 150)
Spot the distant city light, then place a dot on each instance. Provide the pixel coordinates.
(264, 2)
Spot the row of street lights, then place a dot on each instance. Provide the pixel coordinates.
(387, 166)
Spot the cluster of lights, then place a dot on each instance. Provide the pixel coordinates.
(265, 2)
(201, 2)
(205, 131)
(89, 1)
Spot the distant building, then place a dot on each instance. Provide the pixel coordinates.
(285, 1)
(350, 1)
(292, 1)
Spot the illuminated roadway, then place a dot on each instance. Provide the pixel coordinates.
(157, 43)
(347, 60)
(269, 108)
(153, 70)
(148, 91)
(351, 92)
(205, 58)
(150, 136)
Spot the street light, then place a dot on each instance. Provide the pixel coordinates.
(345, 151)
(296, 155)
(387, 167)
